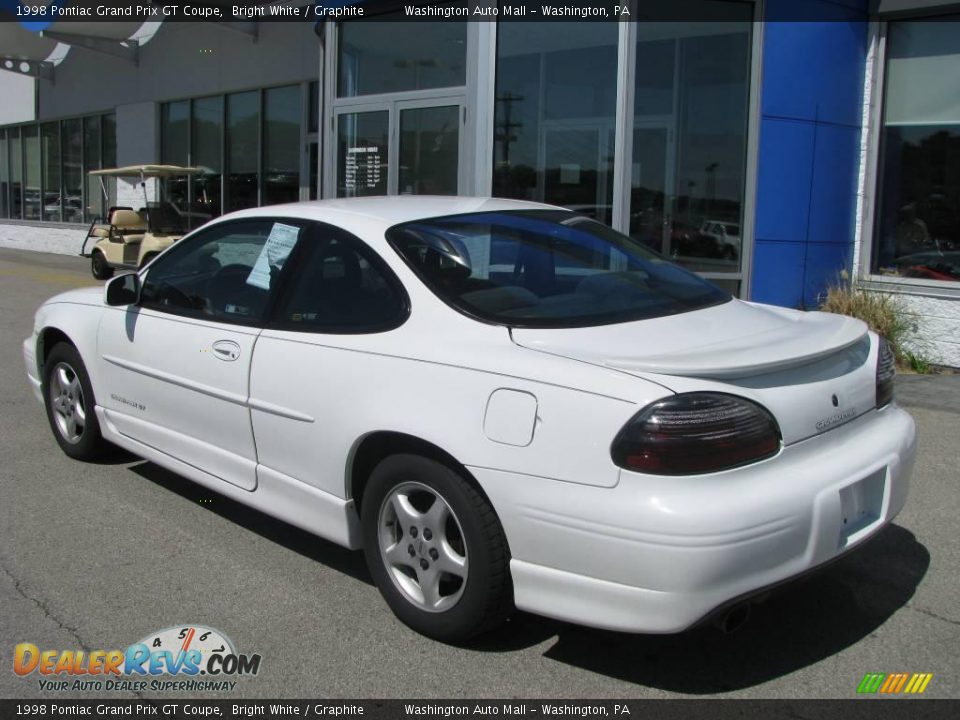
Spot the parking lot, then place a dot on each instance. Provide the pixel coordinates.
(99, 556)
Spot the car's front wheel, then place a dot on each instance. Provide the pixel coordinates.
(70, 405)
(435, 548)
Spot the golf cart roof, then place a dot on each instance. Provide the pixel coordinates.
(147, 171)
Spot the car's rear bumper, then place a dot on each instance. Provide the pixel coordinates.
(30, 360)
(657, 554)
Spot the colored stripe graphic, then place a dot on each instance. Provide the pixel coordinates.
(894, 683)
(871, 682)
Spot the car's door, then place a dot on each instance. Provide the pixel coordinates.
(176, 366)
(320, 356)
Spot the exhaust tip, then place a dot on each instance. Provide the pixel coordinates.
(734, 618)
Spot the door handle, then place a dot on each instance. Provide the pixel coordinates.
(226, 350)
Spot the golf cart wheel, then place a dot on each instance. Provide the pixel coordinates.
(435, 549)
(99, 267)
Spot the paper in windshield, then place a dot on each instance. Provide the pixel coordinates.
(280, 243)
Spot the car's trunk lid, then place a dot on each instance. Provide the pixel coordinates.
(809, 368)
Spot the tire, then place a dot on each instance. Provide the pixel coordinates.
(69, 401)
(450, 597)
(99, 267)
(147, 259)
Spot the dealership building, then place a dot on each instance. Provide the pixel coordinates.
(773, 146)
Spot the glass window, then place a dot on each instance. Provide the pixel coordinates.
(50, 137)
(32, 170)
(91, 160)
(546, 269)
(174, 149)
(4, 176)
(281, 145)
(16, 173)
(224, 273)
(207, 154)
(691, 98)
(362, 153)
(556, 98)
(429, 150)
(314, 109)
(380, 56)
(243, 149)
(341, 287)
(72, 147)
(109, 140)
(918, 213)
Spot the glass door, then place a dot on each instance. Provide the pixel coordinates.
(428, 138)
(408, 147)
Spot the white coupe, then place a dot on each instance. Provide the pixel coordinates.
(505, 404)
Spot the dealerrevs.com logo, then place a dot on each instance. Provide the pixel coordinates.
(187, 657)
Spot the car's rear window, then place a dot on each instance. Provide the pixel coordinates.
(546, 268)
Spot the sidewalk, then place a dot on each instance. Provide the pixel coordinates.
(936, 392)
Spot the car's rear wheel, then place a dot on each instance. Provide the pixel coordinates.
(69, 401)
(435, 549)
(99, 267)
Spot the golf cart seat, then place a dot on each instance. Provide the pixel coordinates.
(126, 221)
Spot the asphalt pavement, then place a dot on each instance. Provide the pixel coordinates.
(98, 556)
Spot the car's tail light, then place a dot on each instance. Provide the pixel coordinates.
(696, 433)
(886, 372)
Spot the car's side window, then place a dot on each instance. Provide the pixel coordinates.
(341, 286)
(225, 273)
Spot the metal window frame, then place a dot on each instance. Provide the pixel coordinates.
(872, 179)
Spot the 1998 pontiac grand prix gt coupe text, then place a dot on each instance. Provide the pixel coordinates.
(504, 404)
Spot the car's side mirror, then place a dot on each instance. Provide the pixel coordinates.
(123, 290)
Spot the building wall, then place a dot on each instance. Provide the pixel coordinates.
(183, 60)
(811, 112)
(18, 98)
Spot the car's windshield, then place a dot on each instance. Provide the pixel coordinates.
(546, 268)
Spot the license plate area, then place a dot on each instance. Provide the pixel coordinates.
(861, 506)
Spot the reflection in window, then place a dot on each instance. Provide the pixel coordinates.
(383, 56)
(174, 149)
(32, 171)
(243, 123)
(281, 141)
(109, 140)
(362, 153)
(429, 150)
(16, 174)
(207, 142)
(50, 139)
(691, 98)
(555, 107)
(918, 214)
(4, 176)
(72, 146)
(91, 158)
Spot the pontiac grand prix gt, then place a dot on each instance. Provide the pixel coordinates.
(505, 404)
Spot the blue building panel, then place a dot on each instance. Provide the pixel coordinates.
(823, 264)
(778, 272)
(784, 178)
(809, 160)
(833, 201)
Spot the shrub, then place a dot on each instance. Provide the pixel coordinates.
(884, 313)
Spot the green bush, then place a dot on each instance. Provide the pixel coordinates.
(884, 313)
